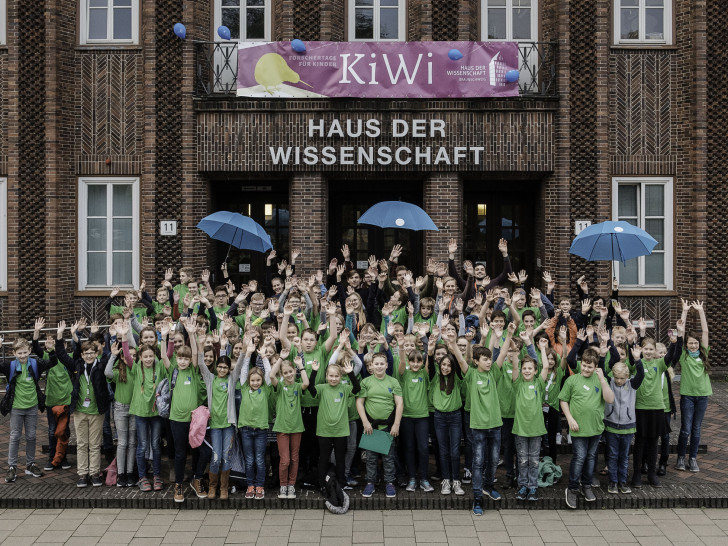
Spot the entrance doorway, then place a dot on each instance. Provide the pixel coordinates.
(266, 204)
(491, 213)
(348, 201)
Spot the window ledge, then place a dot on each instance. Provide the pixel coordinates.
(4, 293)
(668, 47)
(646, 292)
(108, 47)
(93, 293)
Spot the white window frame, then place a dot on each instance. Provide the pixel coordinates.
(3, 234)
(83, 184)
(401, 22)
(668, 215)
(84, 19)
(3, 22)
(642, 40)
(509, 22)
(218, 22)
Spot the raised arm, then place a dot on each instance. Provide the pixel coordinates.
(698, 306)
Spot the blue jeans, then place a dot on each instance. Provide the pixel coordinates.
(222, 447)
(414, 432)
(692, 411)
(583, 460)
(486, 448)
(509, 447)
(448, 428)
(387, 464)
(468, 440)
(145, 425)
(52, 440)
(618, 456)
(254, 442)
(528, 450)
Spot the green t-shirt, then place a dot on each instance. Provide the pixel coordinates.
(379, 395)
(441, 400)
(414, 393)
(431, 320)
(145, 381)
(288, 407)
(333, 412)
(352, 413)
(123, 391)
(185, 395)
(86, 397)
(649, 395)
(529, 395)
(160, 307)
(553, 387)
(139, 312)
(218, 406)
(584, 395)
(26, 396)
(484, 404)
(319, 354)
(398, 316)
(58, 385)
(694, 380)
(254, 407)
(506, 392)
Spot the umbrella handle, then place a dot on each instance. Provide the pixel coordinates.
(228, 253)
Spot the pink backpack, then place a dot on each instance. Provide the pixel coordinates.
(198, 425)
(111, 473)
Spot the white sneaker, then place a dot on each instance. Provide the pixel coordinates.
(445, 487)
(291, 492)
(568, 438)
(558, 438)
(457, 488)
(283, 493)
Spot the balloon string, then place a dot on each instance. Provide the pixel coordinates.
(304, 83)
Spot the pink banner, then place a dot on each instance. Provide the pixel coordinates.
(378, 70)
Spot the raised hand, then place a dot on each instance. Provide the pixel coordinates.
(522, 276)
(503, 247)
(345, 252)
(585, 306)
(332, 266)
(636, 353)
(395, 253)
(61, 329)
(581, 334)
(512, 277)
(452, 246)
(205, 276)
(39, 324)
(315, 365)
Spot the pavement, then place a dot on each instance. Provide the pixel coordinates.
(80, 527)
(706, 489)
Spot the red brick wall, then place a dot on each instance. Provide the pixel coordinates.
(307, 201)
(443, 201)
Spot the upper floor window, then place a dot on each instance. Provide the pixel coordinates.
(246, 19)
(646, 203)
(108, 232)
(377, 20)
(509, 20)
(4, 233)
(110, 21)
(3, 21)
(643, 21)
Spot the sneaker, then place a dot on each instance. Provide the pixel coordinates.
(467, 476)
(82, 481)
(121, 480)
(477, 507)
(571, 498)
(625, 488)
(11, 475)
(612, 488)
(196, 485)
(96, 481)
(661, 469)
(596, 483)
(411, 486)
(144, 485)
(259, 493)
(390, 491)
(33, 470)
(445, 488)
(568, 438)
(532, 494)
(179, 495)
(283, 492)
(693, 465)
(49, 466)
(680, 464)
(457, 488)
(158, 484)
(250, 492)
(65, 465)
(654, 481)
(426, 486)
(351, 482)
(588, 494)
(368, 490)
(522, 493)
(291, 494)
(492, 494)
(131, 480)
(558, 438)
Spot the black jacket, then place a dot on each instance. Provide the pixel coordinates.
(75, 367)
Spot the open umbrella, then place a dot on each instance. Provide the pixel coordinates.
(613, 241)
(237, 230)
(398, 214)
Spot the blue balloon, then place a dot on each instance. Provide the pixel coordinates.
(455, 54)
(180, 30)
(298, 46)
(223, 32)
(512, 76)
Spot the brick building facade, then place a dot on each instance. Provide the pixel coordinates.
(74, 111)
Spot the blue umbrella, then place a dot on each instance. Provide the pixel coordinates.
(236, 230)
(398, 214)
(613, 241)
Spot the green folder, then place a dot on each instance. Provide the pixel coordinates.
(378, 441)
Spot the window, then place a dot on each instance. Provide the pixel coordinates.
(643, 21)
(109, 21)
(3, 21)
(647, 203)
(4, 233)
(509, 20)
(108, 232)
(377, 20)
(246, 19)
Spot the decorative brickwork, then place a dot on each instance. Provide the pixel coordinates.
(307, 19)
(3, 113)
(333, 20)
(445, 20)
(308, 200)
(443, 201)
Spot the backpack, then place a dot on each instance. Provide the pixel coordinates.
(6, 404)
(198, 426)
(163, 396)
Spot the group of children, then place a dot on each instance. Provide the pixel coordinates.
(314, 363)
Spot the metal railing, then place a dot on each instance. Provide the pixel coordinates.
(216, 69)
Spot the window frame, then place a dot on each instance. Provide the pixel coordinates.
(84, 21)
(3, 234)
(83, 184)
(401, 22)
(668, 215)
(217, 18)
(668, 22)
(509, 23)
(3, 22)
